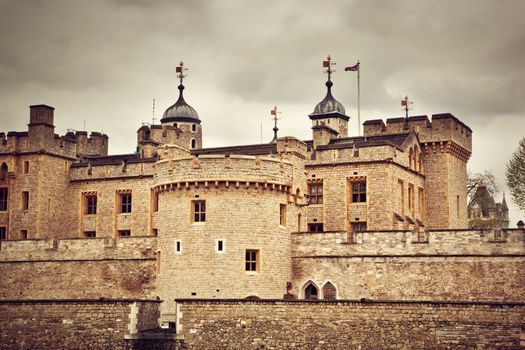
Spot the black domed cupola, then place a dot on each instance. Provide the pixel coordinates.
(330, 112)
(180, 111)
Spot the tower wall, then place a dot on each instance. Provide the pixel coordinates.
(243, 196)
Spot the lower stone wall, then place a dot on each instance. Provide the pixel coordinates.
(274, 324)
(74, 324)
(475, 278)
(77, 279)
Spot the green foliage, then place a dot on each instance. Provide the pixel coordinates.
(516, 175)
(487, 178)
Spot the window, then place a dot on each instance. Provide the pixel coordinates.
(193, 143)
(315, 227)
(411, 199)
(359, 226)
(311, 292)
(124, 233)
(125, 202)
(282, 214)
(90, 203)
(219, 246)
(199, 211)
(421, 202)
(401, 185)
(25, 200)
(358, 192)
(90, 234)
(26, 167)
(23, 234)
(178, 247)
(457, 206)
(193, 127)
(252, 260)
(315, 191)
(3, 199)
(329, 291)
(3, 233)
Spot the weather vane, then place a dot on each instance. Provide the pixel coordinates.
(404, 103)
(180, 70)
(328, 65)
(274, 113)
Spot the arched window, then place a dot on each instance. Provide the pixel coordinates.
(329, 291)
(311, 292)
(420, 161)
(410, 158)
(3, 172)
(175, 124)
(193, 143)
(193, 127)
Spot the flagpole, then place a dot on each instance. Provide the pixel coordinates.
(358, 99)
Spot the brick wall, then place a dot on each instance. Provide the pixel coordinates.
(219, 324)
(74, 324)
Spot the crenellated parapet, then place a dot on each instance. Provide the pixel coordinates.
(114, 167)
(445, 131)
(409, 243)
(235, 171)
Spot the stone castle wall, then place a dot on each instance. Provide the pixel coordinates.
(78, 268)
(273, 324)
(383, 196)
(462, 265)
(74, 324)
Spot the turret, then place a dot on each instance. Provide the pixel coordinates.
(40, 128)
(329, 112)
(184, 117)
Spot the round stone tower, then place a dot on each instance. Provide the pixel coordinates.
(224, 223)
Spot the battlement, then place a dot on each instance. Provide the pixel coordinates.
(409, 243)
(135, 247)
(41, 138)
(443, 127)
(94, 145)
(120, 166)
(237, 169)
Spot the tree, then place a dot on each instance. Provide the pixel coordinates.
(516, 175)
(486, 178)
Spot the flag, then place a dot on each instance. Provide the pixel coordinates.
(326, 64)
(403, 103)
(178, 69)
(352, 68)
(274, 111)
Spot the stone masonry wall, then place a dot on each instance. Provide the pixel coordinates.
(78, 268)
(74, 324)
(271, 324)
(461, 265)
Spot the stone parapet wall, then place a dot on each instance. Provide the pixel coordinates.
(220, 167)
(78, 249)
(274, 324)
(74, 324)
(112, 171)
(412, 243)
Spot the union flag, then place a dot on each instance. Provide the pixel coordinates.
(352, 68)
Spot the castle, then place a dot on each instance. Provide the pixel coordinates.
(381, 216)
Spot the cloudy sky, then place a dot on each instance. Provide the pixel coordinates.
(101, 63)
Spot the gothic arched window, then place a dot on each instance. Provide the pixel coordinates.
(311, 292)
(329, 291)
